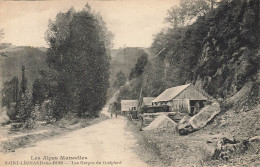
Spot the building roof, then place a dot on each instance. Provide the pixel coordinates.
(170, 93)
(126, 105)
(148, 100)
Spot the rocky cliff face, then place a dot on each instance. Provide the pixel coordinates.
(229, 61)
(218, 53)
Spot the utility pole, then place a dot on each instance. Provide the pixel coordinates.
(141, 96)
(124, 47)
(160, 52)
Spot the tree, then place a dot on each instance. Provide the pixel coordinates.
(45, 87)
(141, 63)
(1, 34)
(187, 11)
(132, 74)
(24, 81)
(120, 79)
(139, 66)
(79, 53)
(10, 92)
(25, 108)
(10, 97)
(38, 92)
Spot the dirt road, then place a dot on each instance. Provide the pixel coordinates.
(103, 144)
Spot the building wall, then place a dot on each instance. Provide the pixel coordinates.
(127, 105)
(176, 104)
(179, 104)
(182, 101)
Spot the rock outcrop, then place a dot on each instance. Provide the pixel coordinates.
(204, 116)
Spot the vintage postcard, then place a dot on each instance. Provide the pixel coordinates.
(129, 83)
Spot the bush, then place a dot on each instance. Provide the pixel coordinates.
(3, 116)
(11, 112)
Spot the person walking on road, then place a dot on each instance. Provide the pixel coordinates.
(111, 113)
(129, 116)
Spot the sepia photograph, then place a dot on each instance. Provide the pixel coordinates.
(129, 83)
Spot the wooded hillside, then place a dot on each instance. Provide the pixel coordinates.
(122, 61)
(12, 58)
(219, 53)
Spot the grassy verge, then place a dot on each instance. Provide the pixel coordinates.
(27, 138)
(146, 149)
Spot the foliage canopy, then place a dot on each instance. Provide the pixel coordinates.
(79, 53)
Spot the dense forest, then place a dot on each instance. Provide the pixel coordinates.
(70, 78)
(214, 45)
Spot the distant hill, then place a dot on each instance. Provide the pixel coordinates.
(12, 58)
(5, 46)
(124, 59)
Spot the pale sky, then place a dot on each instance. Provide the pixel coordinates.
(132, 22)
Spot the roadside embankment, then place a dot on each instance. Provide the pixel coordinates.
(231, 139)
(15, 140)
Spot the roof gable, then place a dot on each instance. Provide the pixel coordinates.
(170, 93)
(192, 93)
(148, 100)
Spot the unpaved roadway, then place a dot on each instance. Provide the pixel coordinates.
(104, 144)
